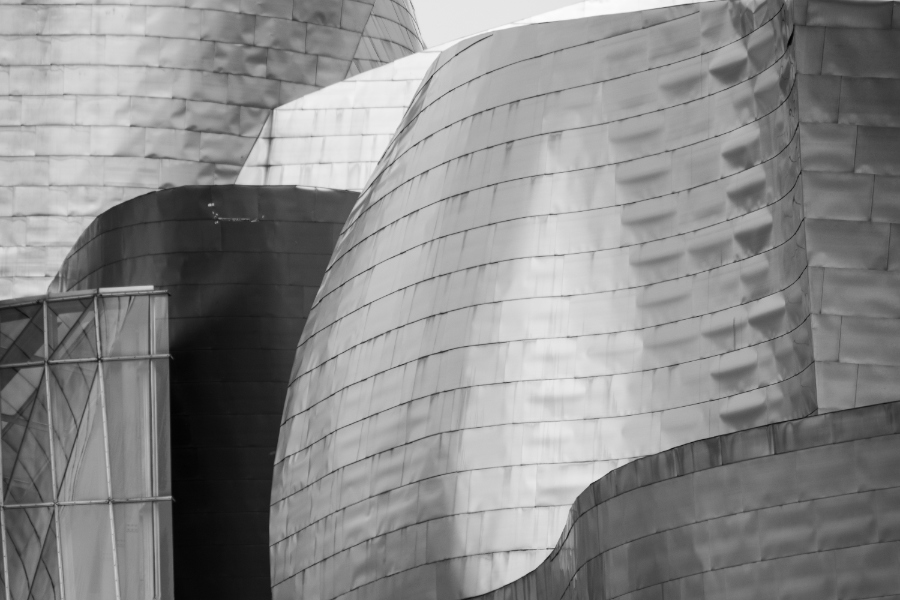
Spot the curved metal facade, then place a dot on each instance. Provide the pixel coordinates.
(242, 266)
(334, 137)
(103, 102)
(584, 245)
(805, 509)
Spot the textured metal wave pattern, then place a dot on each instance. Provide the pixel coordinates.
(103, 102)
(805, 509)
(334, 137)
(585, 245)
(242, 265)
(848, 58)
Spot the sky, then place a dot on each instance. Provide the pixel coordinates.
(445, 20)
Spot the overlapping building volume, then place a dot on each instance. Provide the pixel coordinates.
(600, 305)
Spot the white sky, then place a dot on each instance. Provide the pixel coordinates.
(445, 20)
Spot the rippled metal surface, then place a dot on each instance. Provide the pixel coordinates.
(100, 103)
(584, 245)
(242, 265)
(849, 84)
(806, 509)
(86, 507)
(335, 137)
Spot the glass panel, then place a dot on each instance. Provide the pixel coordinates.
(160, 324)
(21, 334)
(86, 546)
(164, 527)
(163, 428)
(31, 554)
(70, 329)
(127, 385)
(79, 451)
(25, 435)
(125, 329)
(135, 550)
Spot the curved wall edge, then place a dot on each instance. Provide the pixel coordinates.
(241, 265)
(805, 506)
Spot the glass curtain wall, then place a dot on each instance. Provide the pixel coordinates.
(86, 505)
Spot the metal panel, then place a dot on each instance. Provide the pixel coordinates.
(851, 238)
(848, 244)
(861, 52)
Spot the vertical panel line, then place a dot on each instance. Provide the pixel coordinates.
(101, 375)
(154, 450)
(50, 430)
(5, 561)
(3, 522)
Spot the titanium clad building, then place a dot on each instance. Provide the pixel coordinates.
(575, 340)
(242, 265)
(584, 245)
(100, 103)
(86, 500)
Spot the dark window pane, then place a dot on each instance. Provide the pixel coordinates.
(31, 554)
(21, 334)
(79, 450)
(25, 436)
(70, 329)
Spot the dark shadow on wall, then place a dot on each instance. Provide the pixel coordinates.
(242, 265)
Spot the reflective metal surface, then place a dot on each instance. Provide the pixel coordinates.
(584, 245)
(805, 509)
(242, 265)
(333, 138)
(86, 500)
(101, 102)
(849, 84)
